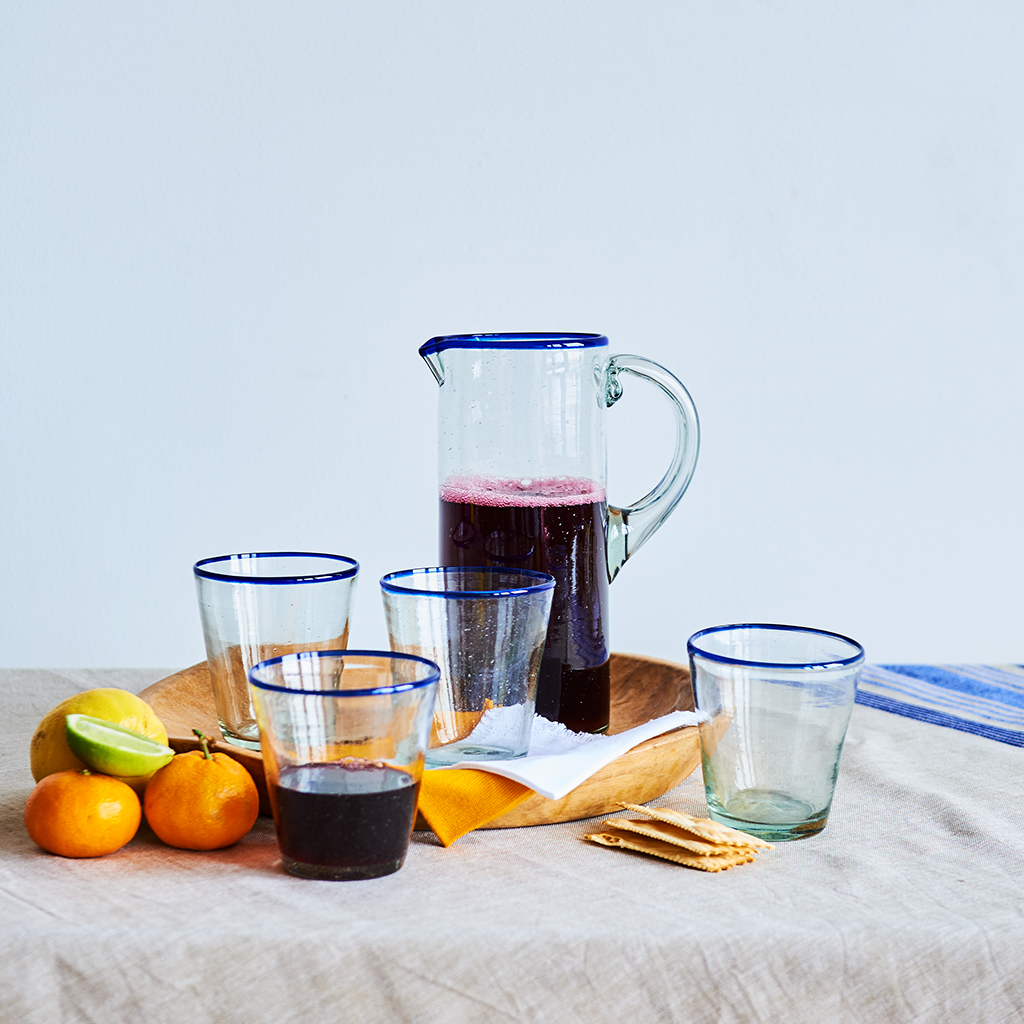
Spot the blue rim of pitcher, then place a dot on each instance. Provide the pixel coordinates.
(417, 684)
(514, 340)
(545, 581)
(201, 568)
(693, 649)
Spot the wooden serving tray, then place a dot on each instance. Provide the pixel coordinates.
(641, 689)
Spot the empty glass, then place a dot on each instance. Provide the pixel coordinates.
(778, 700)
(261, 605)
(485, 630)
(343, 736)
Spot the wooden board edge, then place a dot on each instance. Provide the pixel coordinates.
(644, 773)
(630, 776)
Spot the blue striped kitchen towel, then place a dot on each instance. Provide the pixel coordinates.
(987, 700)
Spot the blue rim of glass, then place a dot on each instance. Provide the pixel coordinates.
(433, 676)
(545, 581)
(352, 568)
(513, 341)
(693, 649)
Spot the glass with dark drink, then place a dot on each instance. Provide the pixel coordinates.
(343, 736)
(522, 472)
(352, 817)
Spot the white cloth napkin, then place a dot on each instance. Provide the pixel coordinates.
(559, 759)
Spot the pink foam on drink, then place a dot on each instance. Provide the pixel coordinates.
(521, 492)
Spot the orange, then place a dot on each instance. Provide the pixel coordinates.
(81, 814)
(201, 801)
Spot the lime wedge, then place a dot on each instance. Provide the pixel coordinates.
(112, 749)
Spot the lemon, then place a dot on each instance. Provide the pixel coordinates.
(112, 749)
(50, 752)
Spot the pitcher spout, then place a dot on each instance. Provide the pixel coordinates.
(432, 357)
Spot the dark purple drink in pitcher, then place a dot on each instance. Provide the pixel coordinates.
(555, 525)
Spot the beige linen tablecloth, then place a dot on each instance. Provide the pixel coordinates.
(910, 906)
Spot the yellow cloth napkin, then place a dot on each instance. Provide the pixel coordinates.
(454, 801)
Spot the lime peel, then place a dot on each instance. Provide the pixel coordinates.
(112, 749)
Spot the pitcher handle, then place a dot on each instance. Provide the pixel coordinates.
(629, 527)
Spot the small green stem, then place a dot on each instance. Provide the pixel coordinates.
(206, 749)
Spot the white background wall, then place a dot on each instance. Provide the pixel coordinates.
(225, 228)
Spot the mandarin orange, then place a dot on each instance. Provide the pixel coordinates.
(82, 814)
(201, 801)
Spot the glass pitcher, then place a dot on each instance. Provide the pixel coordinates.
(522, 470)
